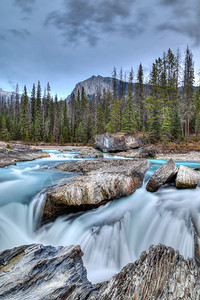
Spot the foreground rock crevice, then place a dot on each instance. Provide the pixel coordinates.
(103, 180)
(46, 272)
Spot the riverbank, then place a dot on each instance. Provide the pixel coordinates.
(11, 154)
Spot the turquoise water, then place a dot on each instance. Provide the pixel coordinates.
(110, 236)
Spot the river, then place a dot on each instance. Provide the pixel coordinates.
(110, 236)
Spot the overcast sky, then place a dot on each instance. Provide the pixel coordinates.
(67, 41)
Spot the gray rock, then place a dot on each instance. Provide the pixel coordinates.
(89, 153)
(186, 178)
(162, 175)
(105, 180)
(38, 272)
(19, 153)
(116, 142)
(46, 272)
(143, 152)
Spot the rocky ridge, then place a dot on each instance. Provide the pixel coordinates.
(46, 272)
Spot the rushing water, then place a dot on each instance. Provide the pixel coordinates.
(110, 236)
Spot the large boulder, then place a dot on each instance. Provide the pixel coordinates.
(46, 272)
(186, 178)
(162, 175)
(104, 180)
(108, 142)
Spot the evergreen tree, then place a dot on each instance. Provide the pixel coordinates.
(115, 120)
(24, 116)
(38, 115)
(129, 122)
(188, 89)
(4, 134)
(166, 127)
(140, 95)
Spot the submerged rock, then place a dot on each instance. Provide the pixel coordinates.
(186, 178)
(162, 175)
(105, 180)
(108, 142)
(46, 272)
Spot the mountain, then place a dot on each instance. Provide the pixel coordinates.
(96, 84)
(5, 95)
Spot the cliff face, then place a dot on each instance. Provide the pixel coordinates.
(96, 84)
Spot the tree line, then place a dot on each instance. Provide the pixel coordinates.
(166, 109)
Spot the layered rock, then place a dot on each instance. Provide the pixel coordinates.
(105, 180)
(186, 178)
(19, 153)
(116, 142)
(162, 175)
(89, 153)
(38, 272)
(142, 152)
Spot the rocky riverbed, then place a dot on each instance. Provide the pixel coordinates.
(103, 180)
(46, 272)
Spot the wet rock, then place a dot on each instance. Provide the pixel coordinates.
(143, 152)
(104, 180)
(186, 178)
(108, 142)
(89, 153)
(39, 272)
(162, 175)
(159, 273)
(19, 153)
(46, 272)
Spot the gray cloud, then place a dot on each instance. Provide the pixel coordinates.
(26, 5)
(89, 20)
(22, 33)
(2, 37)
(184, 18)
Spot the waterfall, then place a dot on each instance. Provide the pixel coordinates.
(110, 236)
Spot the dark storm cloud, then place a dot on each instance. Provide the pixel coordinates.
(90, 20)
(25, 5)
(22, 33)
(184, 19)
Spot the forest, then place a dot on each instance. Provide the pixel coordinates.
(166, 109)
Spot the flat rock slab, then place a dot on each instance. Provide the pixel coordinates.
(187, 178)
(162, 175)
(11, 156)
(45, 272)
(103, 180)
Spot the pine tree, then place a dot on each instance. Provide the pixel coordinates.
(38, 115)
(128, 121)
(166, 127)
(188, 90)
(4, 134)
(100, 124)
(33, 109)
(140, 95)
(24, 116)
(115, 120)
